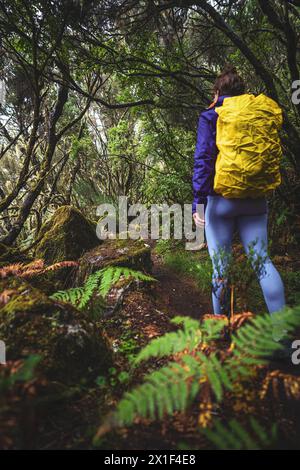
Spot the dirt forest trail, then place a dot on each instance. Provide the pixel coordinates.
(178, 294)
(174, 294)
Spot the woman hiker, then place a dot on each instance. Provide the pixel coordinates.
(236, 166)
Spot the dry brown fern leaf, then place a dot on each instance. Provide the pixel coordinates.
(232, 323)
(6, 295)
(32, 269)
(10, 270)
(239, 319)
(281, 386)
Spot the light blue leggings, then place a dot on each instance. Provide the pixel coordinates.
(250, 217)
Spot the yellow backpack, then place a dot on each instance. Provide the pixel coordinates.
(249, 147)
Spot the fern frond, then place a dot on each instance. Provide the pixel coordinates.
(235, 437)
(172, 387)
(164, 391)
(73, 296)
(210, 368)
(256, 337)
(32, 269)
(190, 338)
(109, 277)
(169, 344)
(91, 284)
(100, 281)
(112, 275)
(60, 265)
(11, 269)
(166, 345)
(188, 323)
(281, 386)
(212, 328)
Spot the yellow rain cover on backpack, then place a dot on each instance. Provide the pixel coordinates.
(249, 147)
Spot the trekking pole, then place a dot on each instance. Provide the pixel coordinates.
(231, 302)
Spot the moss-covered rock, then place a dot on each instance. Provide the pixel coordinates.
(9, 255)
(51, 281)
(71, 346)
(66, 236)
(134, 254)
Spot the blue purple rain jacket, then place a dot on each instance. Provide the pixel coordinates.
(205, 155)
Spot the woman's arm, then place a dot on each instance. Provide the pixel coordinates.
(204, 157)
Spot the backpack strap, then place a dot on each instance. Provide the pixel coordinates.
(213, 104)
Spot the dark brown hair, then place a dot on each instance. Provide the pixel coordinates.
(229, 82)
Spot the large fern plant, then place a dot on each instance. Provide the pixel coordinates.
(101, 282)
(175, 386)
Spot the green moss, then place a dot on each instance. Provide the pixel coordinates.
(71, 346)
(52, 281)
(24, 298)
(66, 236)
(10, 255)
(291, 281)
